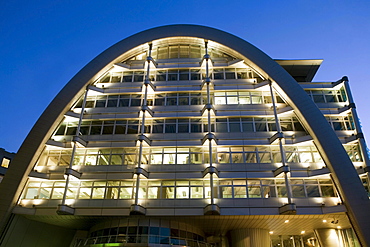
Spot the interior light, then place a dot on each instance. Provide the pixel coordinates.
(303, 232)
(94, 93)
(38, 169)
(339, 227)
(324, 221)
(70, 119)
(37, 202)
(283, 200)
(271, 232)
(286, 221)
(70, 201)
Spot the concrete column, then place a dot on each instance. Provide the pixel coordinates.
(249, 237)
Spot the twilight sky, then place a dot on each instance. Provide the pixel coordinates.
(43, 44)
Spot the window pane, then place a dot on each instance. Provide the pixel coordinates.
(244, 100)
(45, 193)
(223, 158)
(195, 158)
(125, 193)
(327, 191)
(61, 129)
(265, 157)
(251, 157)
(183, 159)
(269, 191)
(313, 191)
(318, 98)
(120, 129)
(234, 127)
(170, 128)
(136, 100)
(130, 159)
(172, 75)
(184, 74)
(108, 130)
(142, 192)
(57, 193)
(112, 102)
(221, 127)
(298, 191)
(196, 192)
(132, 129)
(161, 75)
(95, 130)
(85, 193)
(232, 100)
(139, 76)
(168, 192)
(171, 101)
(112, 193)
(183, 101)
(226, 192)
(156, 159)
(247, 127)
(98, 193)
(276, 157)
(230, 73)
(182, 192)
(237, 158)
(240, 192)
(254, 191)
(282, 191)
(260, 126)
(218, 74)
(127, 76)
(153, 193)
(220, 100)
(32, 193)
(256, 100)
(123, 102)
(100, 103)
(169, 159)
(194, 74)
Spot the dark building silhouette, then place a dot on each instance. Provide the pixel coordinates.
(5, 159)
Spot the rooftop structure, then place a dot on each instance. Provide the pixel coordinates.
(187, 135)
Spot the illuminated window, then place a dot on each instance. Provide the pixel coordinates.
(5, 162)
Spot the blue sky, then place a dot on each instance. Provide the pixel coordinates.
(44, 44)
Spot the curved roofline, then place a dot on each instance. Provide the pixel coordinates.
(344, 175)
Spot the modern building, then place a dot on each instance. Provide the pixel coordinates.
(185, 135)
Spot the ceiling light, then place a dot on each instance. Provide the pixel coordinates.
(286, 221)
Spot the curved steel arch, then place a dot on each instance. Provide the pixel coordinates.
(344, 174)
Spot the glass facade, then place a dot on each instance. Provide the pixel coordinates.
(145, 235)
(180, 189)
(182, 126)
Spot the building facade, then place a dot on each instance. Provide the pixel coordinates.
(186, 135)
(5, 159)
